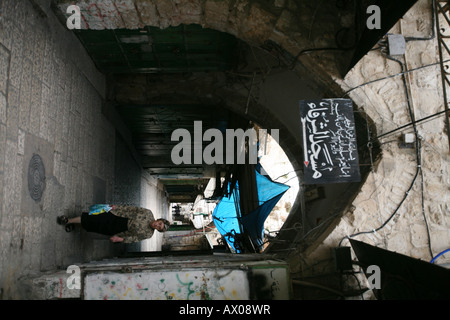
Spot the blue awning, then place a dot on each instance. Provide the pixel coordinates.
(234, 227)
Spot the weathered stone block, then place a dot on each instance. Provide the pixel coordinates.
(109, 14)
(285, 21)
(4, 68)
(147, 12)
(216, 14)
(2, 109)
(91, 16)
(167, 10)
(254, 24)
(189, 12)
(127, 11)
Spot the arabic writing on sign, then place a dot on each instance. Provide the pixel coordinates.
(329, 141)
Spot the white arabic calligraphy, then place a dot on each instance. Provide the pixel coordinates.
(325, 141)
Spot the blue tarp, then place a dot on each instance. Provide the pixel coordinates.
(232, 226)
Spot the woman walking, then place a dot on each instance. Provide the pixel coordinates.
(122, 223)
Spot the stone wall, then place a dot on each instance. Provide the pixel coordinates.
(50, 105)
(388, 184)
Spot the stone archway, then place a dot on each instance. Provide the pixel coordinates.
(254, 22)
(257, 22)
(296, 26)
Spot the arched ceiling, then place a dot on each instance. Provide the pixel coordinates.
(193, 78)
(152, 109)
(166, 60)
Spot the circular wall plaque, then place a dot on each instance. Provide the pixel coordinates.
(36, 177)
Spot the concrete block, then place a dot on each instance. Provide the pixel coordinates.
(6, 34)
(4, 68)
(2, 149)
(25, 96)
(2, 108)
(15, 69)
(52, 286)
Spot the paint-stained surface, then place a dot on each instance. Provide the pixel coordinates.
(218, 277)
(183, 285)
(270, 283)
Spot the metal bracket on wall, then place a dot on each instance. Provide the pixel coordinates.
(443, 35)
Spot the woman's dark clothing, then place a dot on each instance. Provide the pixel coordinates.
(106, 223)
(131, 223)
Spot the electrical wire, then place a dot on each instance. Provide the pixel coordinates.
(382, 46)
(285, 174)
(392, 76)
(369, 146)
(433, 35)
(390, 217)
(359, 284)
(433, 19)
(418, 150)
(412, 123)
(423, 212)
(418, 159)
(339, 46)
(439, 254)
(305, 51)
(319, 286)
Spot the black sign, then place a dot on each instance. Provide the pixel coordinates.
(329, 141)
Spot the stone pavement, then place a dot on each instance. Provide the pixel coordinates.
(51, 100)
